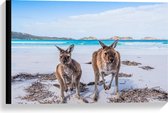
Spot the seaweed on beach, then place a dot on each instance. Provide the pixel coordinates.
(140, 95)
(88, 62)
(133, 63)
(52, 100)
(47, 76)
(23, 76)
(39, 92)
(124, 75)
(27, 76)
(127, 62)
(130, 63)
(146, 67)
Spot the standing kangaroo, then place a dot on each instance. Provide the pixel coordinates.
(106, 61)
(68, 69)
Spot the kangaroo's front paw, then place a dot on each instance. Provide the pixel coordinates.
(63, 100)
(66, 90)
(71, 89)
(77, 96)
(95, 98)
(117, 95)
(106, 87)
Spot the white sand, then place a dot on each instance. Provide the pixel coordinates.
(44, 60)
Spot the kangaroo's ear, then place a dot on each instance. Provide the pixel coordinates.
(102, 44)
(70, 48)
(114, 44)
(61, 50)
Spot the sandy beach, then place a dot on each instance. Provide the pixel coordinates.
(150, 72)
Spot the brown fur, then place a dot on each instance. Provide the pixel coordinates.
(106, 61)
(68, 69)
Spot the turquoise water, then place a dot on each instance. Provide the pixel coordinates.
(133, 43)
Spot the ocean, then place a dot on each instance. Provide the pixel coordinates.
(121, 43)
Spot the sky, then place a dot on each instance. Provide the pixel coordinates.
(83, 19)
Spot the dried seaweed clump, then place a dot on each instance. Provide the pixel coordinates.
(130, 63)
(40, 93)
(146, 67)
(27, 76)
(140, 95)
(23, 76)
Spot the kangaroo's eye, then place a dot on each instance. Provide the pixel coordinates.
(105, 53)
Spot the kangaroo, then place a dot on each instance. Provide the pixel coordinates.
(106, 61)
(68, 69)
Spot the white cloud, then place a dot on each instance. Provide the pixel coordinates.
(138, 22)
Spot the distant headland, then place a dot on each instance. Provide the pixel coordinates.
(26, 36)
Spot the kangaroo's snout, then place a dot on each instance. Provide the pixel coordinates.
(111, 60)
(109, 55)
(65, 59)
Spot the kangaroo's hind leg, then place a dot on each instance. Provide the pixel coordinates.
(96, 92)
(65, 82)
(77, 85)
(72, 83)
(116, 84)
(62, 90)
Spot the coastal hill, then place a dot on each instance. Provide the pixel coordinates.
(89, 38)
(112, 38)
(150, 38)
(26, 36)
(121, 38)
